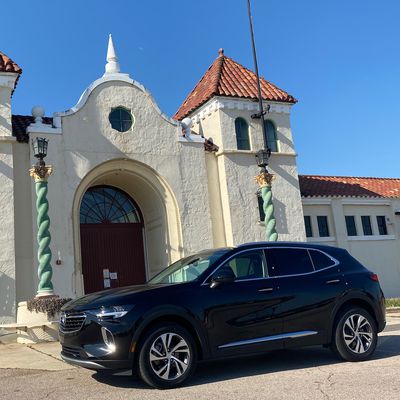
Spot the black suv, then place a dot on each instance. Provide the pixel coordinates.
(227, 302)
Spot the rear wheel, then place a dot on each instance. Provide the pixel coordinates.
(167, 357)
(355, 335)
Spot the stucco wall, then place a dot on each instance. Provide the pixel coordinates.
(236, 170)
(7, 253)
(25, 252)
(166, 176)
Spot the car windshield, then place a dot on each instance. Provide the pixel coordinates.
(189, 268)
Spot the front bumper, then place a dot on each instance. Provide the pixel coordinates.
(88, 347)
(97, 364)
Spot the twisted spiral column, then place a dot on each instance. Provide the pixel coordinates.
(264, 180)
(45, 271)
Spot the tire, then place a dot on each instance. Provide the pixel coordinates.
(158, 364)
(355, 335)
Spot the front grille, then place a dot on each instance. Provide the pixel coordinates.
(71, 323)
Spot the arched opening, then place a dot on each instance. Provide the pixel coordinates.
(242, 134)
(112, 247)
(270, 132)
(155, 205)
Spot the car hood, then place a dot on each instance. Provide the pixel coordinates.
(109, 297)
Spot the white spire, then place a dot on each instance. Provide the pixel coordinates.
(112, 66)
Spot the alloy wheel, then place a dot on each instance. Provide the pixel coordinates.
(169, 356)
(357, 333)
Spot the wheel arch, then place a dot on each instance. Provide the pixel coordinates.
(180, 318)
(361, 301)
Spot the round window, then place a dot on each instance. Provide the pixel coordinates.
(120, 119)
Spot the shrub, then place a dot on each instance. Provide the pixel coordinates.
(50, 305)
(394, 302)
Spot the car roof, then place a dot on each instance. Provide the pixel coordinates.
(286, 244)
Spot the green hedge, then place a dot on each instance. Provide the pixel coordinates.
(394, 302)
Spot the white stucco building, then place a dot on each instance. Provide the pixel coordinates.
(134, 190)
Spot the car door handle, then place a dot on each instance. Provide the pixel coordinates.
(267, 289)
(332, 281)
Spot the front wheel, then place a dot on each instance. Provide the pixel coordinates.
(167, 357)
(355, 335)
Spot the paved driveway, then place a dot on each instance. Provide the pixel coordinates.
(312, 373)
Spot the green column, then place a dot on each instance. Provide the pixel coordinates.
(45, 271)
(264, 180)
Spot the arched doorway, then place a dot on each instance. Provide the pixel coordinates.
(112, 247)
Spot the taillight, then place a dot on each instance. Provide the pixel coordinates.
(374, 277)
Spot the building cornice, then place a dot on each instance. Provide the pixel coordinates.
(228, 103)
(8, 79)
(377, 201)
(252, 153)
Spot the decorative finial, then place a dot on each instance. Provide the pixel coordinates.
(221, 52)
(112, 66)
(38, 114)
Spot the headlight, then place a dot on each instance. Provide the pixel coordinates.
(111, 312)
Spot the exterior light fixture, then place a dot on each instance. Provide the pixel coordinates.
(262, 158)
(39, 146)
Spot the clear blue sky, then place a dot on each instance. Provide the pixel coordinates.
(339, 58)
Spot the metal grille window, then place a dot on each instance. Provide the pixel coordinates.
(366, 224)
(120, 119)
(382, 228)
(323, 227)
(351, 225)
(270, 132)
(307, 223)
(105, 204)
(242, 134)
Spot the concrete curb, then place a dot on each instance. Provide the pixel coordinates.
(40, 356)
(393, 310)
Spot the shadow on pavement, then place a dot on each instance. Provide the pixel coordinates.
(282, 360)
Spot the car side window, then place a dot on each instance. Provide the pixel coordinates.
(249, 265)
(288, 261)
(321, 260)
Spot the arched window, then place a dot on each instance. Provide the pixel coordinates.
(106, 204)
(270, 132)
(242, 134)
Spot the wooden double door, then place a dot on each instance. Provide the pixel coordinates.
(112, 245)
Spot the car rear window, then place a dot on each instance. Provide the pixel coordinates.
(321, 260)
(288, 261)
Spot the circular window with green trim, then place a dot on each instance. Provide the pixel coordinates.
(121, 119)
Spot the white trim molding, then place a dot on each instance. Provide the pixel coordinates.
(234, 103)
(309, 201)
(366, 202)
(321, 239)
(370, 237)
(8, 79)
(253, 153)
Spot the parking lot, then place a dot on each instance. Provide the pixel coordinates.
(308, 373)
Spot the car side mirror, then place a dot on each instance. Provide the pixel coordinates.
(223, 276)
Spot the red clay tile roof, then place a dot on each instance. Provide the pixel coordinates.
(8, 65)
(347, 186)
(21, 122)
(225, 77)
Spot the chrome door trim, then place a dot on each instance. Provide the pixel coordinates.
(291, 335)
(333, 281)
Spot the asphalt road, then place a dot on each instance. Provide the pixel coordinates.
(311, 373)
